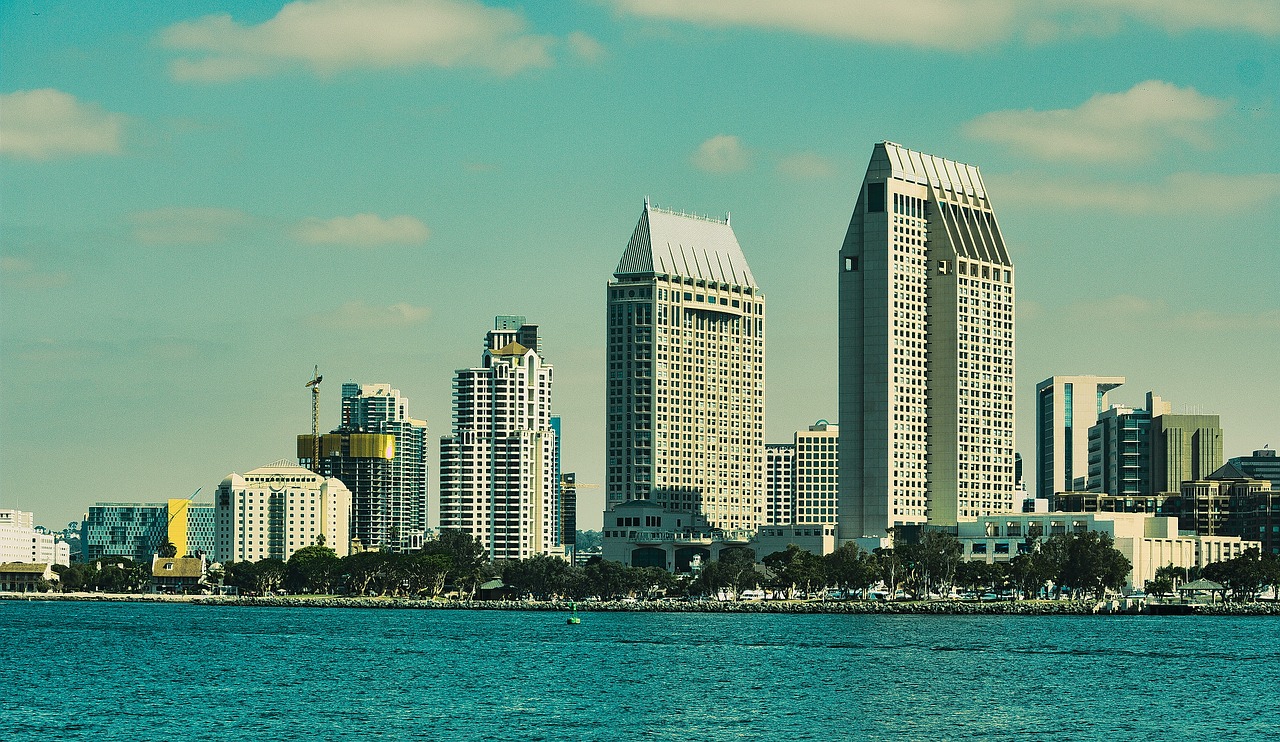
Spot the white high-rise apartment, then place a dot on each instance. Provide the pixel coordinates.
(497, 470)
(685, 389)
(817, 470)
(21, 542)
(1066, 407)
(926, 349)
(276, 509)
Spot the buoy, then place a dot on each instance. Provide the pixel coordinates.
(573, 619)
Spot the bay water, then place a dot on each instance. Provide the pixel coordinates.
(140, 671)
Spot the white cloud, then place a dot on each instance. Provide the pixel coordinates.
(327, 36)
(356, 315)
(1203, 193)
(362, 230)
(945, 24)
(39, 124)
(1126, 311)
(722, 153)
(962, 25)
(1127, 126)
(186, 225)
(21, 273)
(585, 46)
(806, 166)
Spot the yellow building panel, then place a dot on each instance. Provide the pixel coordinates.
(178, 525)
(358, 445)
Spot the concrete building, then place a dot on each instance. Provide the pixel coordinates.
(816, 474)
(1066, 408)
(1148, 542)
(1263, 464)
(1184, 448)
(926, 343)
(779, 483)
(21, 541)
(137, 530)
(685, 374)
(1119, 453)
(818, 538)
(274, 510)
(497, 469)
(569, 514)
(380, 452)
(24, 577)
(642, 533)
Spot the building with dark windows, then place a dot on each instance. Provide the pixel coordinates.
(926, 343)
(1066, 407)
(1119, 452)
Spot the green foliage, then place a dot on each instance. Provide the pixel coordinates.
(1245, 575)
(1087, 563)
(796, 569)
(113, 574)
(851, 568)
(312, 569)
(167, 550)
(732, 573)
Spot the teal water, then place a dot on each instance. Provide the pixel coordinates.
(94, 671)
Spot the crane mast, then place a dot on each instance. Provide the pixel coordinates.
(315, 419)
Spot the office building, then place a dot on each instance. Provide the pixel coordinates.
(21, 541)
(569, 514)
(1184, 448)
(779, 483)
(380, 453)
(497, 469)
(1263, 464)
(685, 374)
(138, 530)
(1119, 451)
(926, 343)
(274, 510)
(1066, 407)
(816, 472)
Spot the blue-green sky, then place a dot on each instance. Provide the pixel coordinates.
(199, 201)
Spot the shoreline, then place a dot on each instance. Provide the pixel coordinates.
(927, 608)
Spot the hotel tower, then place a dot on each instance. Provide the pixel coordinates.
(685, 386)
(926, 349)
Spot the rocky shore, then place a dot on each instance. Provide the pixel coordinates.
(932, 608)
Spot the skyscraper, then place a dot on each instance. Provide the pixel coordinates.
(685, 389)
(1066, 407)
(926, 349)
(380, 453)
(497, 470)
(274, 510)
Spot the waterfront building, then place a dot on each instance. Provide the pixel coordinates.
(1119, 452)
(1184, 448)
(22, 577)
(497, 469)
(685, 374)
(926, 339)
(380, 452)
(816, 472)
(818, 538)
(22, 541)
(137, 530)
(1148, 542)
(274, 510)
(1066, 408)
(643, 533)
(1263, 464)
(779, 483)
(178, 574)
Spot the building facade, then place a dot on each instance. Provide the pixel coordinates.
(380, 453)
(685, 373)
(497, 470)
(137, 530)
(1263, 464)
(1184, 448)
(21, 541)
(274, 510)
(1066, 408)
(816, 474)
(779, 483)
(1119, 451)
(926, 379)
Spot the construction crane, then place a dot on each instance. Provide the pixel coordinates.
(315, 419)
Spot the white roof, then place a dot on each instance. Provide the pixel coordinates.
(956, 178)
(675, 244)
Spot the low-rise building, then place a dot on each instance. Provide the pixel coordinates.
(137, 530)
(21, 541)
(641, 533)
(819, 538)
(24, 577)
(274, 510)
(178, 574)
(1148, 542)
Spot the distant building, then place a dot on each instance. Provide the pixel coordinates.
(642, 533)
(1263, 464)
(178, 574)
(1148, 542)
(685, 373)
(274, 510)
(569, 514)
(138, 530)
(497, 469)
(816, 471)
(25, 577)
(1066, 408)
(817, 538)
(926, 344)
(1119, 453)
(779, 483)
(1184, 448)
(21, 541)
(380, 453)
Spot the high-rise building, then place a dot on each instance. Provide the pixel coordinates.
(1263, 464)
(685, 373)
(497, 469)
(779, 484)
(137, 530)
(926, 344)
(1119, 451)
(1066, 407)
(569, 514)
(22, 541)
(274, 510)
(380, 453)
(1184, 448)
(817, 471)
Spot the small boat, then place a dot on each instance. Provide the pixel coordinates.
(573, 617)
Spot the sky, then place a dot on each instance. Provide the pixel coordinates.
(201, 201)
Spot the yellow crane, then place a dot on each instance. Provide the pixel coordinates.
(315, 419)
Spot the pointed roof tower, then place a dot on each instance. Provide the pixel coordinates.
(676, 244)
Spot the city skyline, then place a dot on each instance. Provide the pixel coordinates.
(199, 207)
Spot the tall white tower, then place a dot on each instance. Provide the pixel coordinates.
(926, 349)
(685, 372)
(497, 470)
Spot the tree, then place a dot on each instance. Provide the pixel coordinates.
(1030, 572)
(938, 556)
(796, 569)
(167, 550)
(468, 564)
(312, 569)
(243, 576)
(541, 576)
(270, 573)
(731, 573)
(367, 571)
(852, 569)
(1244, 575)
(1090, 563)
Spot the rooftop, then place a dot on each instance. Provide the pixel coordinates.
(679, 244)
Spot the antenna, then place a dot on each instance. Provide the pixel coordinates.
(316, 378)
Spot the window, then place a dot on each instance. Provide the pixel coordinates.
(851, 263)
(875, 197)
